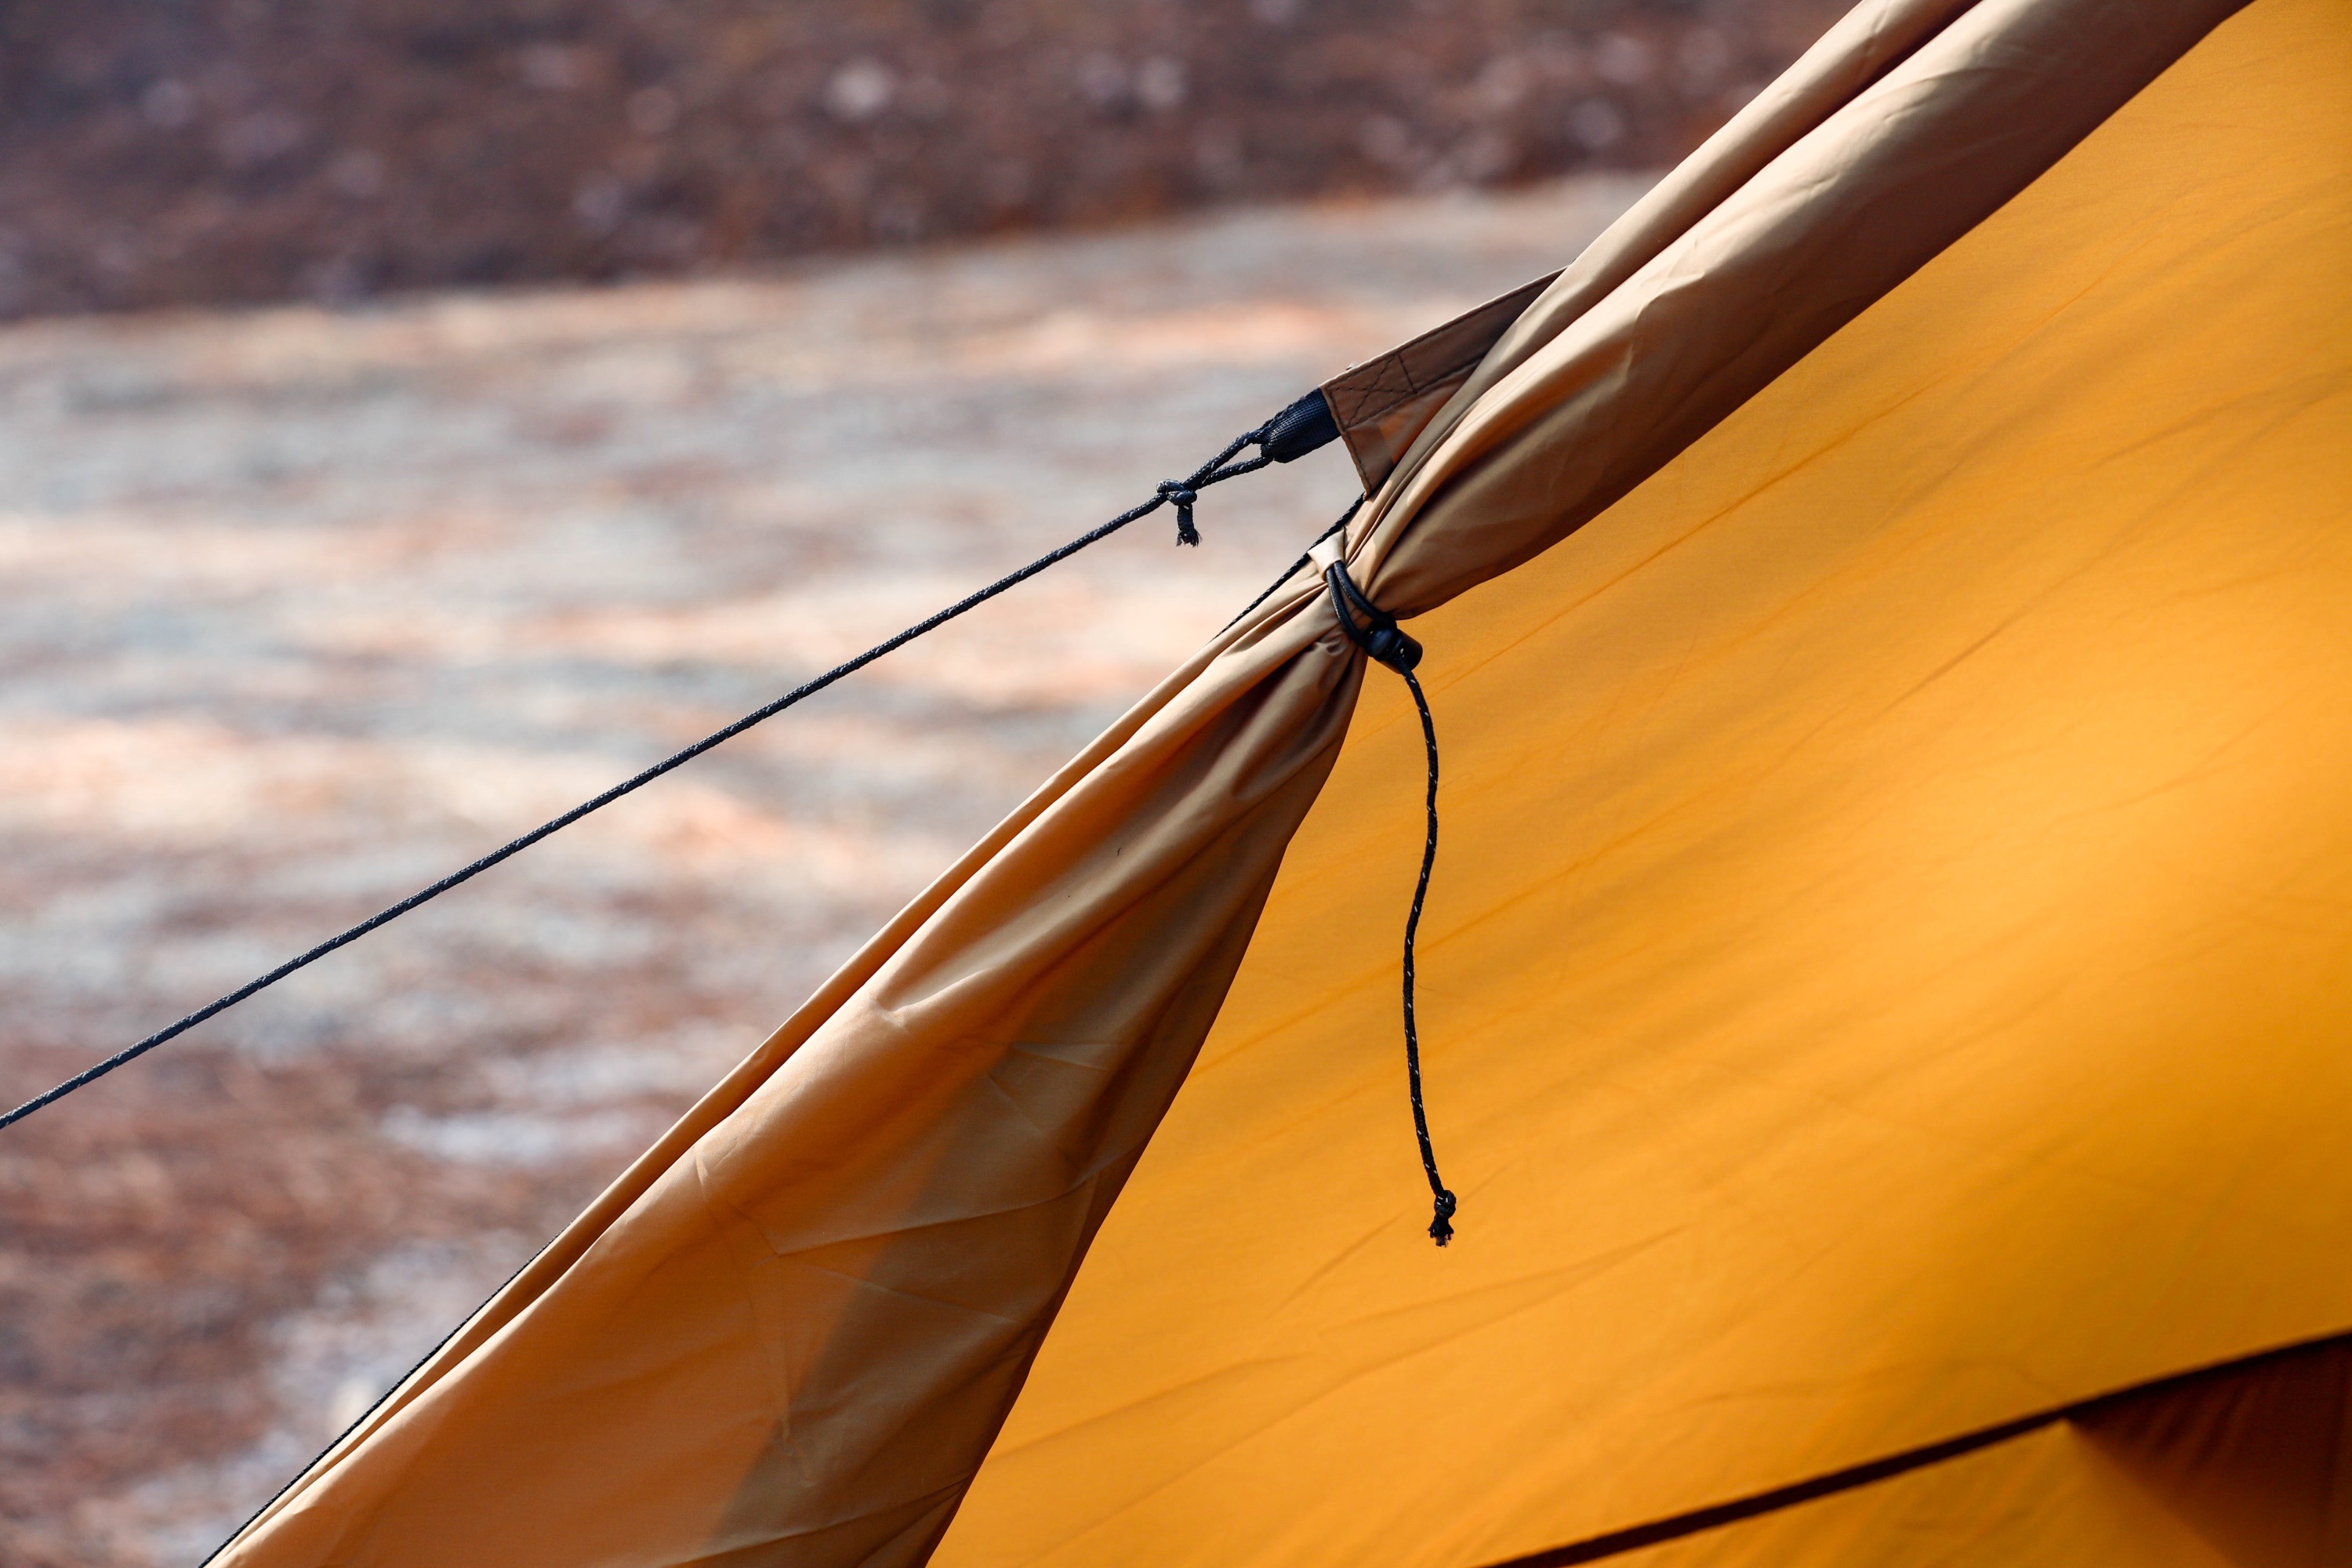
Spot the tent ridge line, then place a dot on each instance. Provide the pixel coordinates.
(1659, 1532)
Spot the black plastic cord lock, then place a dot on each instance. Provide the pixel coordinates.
(1383, 641)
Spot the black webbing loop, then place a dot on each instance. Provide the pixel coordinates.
(1183, 493)
(1304, 427)
(1383, 643)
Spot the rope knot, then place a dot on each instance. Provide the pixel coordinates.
(1181, 496)
(1441, 1228)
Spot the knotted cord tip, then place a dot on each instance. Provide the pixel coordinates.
(1182, 496)
(1441, 1229)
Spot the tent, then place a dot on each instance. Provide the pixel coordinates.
(1886, 990)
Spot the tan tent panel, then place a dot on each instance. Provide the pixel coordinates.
(1887, 976)
(1890, 966)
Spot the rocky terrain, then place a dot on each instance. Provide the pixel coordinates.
(157, 151)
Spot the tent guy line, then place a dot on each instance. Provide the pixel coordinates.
(1305, 557)
(1303, 426)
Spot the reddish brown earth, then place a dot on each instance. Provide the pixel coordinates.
(301, 608)
(172, 150)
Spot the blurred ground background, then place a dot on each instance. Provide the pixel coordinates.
(166, 151)
(302, 606)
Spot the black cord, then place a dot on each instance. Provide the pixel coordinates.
(1384, 643)
(1306, 557)
(1214, 471)
(1441, 1226)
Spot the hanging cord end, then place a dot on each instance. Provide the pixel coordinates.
(1383, 641)
(1181, 496)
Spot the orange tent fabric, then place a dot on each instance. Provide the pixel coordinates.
(1890, 969)
(1686, 872)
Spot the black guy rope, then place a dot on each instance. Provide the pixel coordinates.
(1305, 559)
(1301, 428)
(1385, 643)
